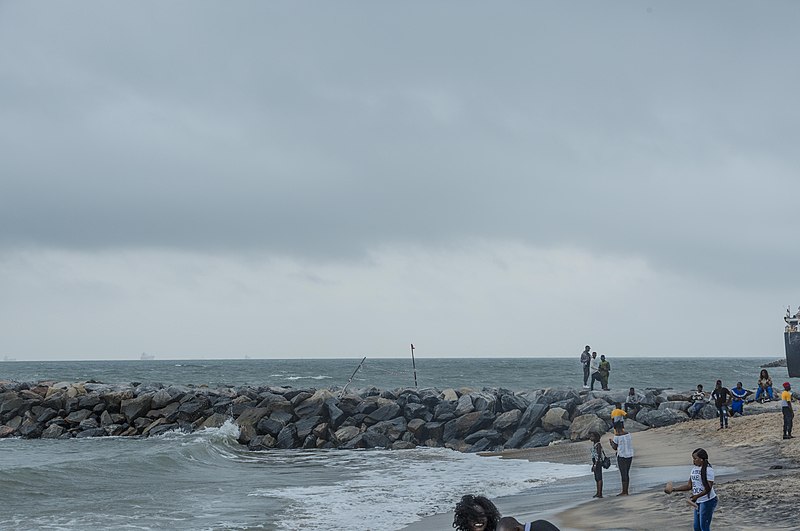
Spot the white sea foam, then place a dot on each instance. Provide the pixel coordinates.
(390, 489)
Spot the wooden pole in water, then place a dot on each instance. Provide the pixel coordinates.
(414, 364)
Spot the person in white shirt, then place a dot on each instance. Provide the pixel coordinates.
(594, 368)
(623, 444)
(701, 483)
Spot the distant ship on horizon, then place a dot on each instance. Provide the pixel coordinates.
(146, 356)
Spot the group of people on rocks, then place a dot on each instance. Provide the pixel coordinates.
(730, 402)
(598, 368)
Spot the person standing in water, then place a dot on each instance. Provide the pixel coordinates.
(586, 358)
(701, 483)
(623, 444)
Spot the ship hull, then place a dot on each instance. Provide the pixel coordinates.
(792, 343)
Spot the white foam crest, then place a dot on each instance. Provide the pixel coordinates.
(391, 489)
(320, 377)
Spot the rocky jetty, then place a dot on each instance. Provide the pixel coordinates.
(283, 417)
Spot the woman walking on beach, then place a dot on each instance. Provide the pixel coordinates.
(597, 462)
(701, 483)
(623, 444)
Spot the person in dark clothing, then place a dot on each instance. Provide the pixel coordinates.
(478, 513)
(722, 397)
(788, 412)
(586, 357)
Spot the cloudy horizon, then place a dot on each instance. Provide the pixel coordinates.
(280, 180)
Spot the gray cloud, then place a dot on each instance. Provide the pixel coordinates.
(666, 132)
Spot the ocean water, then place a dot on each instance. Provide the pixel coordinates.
(206, 480)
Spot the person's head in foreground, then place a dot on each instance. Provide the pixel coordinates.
(632, 391)
(475, 513)
(700, 387)
(787, 386)
(719, 384)
(764, 374)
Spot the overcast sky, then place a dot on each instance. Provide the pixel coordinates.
(340, 179)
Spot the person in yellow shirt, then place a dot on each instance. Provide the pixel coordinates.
(788, 413)
(618, 415)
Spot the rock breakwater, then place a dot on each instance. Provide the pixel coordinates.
(465, 420)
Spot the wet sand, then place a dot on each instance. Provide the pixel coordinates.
(752, 495)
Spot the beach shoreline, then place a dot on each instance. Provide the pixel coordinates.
(752, 494)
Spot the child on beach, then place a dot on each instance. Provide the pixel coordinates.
(701, 483)
(597, 462)
(721, 396)
(764, 386)
(618, 416)
(788, 412)
(478, 513)
(623, 444)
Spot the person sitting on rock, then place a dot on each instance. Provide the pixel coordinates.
(478, 513)
(632, 404)
(698, 402)
(738, 395)
(764, 387)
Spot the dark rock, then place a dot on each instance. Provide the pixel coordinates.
(54, 431)
(444, 411)
(30, 429)
(268, 426)
(464, 405)
(286, 437)
(215, 420)
(134, 408)
(346, 434)
(540, 439)
(88, 401)
(532, 416)
(391, 429)
(273, 402)
(656, 418)
(491, 435)
(162, 429)
(507, 420)
(471, 422)
(93, 432)
(336, 415)
(403, 445)
(414, 411)
(88, 423)
(517, 439)
(46, 414)
(305, 426)
(251, 416)
(480, 446)
(511, 401)
(78, 416)
(389, 411)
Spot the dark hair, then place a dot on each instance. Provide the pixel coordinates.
(465, 513)
(702, 454)
(700, 386)
(764, 374)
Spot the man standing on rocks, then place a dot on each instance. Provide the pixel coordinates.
(586, 358)
(594, 368)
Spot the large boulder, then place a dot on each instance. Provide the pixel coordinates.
(391, 429)
(386, 412)
(542, 438)
(343, 435)
(681, 405)
(583, 425)
(134, 408)
(532, 415)
(464, 405)
(508, 420)
(512, 401)
(313, 406)
(592, 406)
(470, 423)
(556, 419)
(656, 418)
(484, 401)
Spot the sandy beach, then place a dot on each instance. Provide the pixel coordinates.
(758, 478)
